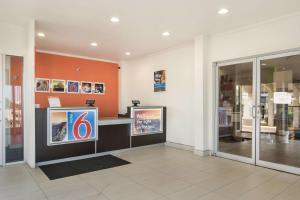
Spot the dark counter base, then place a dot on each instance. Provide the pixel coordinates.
(44, 152)
(113, 137)
(142, 140)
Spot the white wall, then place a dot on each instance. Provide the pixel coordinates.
(19, 40)
(13, 39)
(267, 37)
(137, 83)
(194, 75)
(29, 96)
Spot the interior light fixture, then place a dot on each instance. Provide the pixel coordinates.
(114, 19)
(40, 34)
(94, 44)
(166, 34)
(263, 64)
(223, 11)
(127, 53)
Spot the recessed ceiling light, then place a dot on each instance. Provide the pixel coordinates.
(223, 11)
(263, 64)
(94, 44)
(40, 34)
(114, 19)
(127, 53)
(166, 34)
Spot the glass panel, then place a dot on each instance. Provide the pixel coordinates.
(235, 109)
(13, 108)
(1, 111)
(280, 114)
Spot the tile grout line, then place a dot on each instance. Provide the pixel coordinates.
(285, 189)
(92, 186)
(36, 182)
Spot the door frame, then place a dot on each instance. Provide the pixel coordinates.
(276, 166)
(216, 135)
(2, 116)
(2, 89)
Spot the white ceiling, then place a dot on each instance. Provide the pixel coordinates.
(71, 25)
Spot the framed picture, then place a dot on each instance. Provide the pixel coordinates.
(58, 86)
(72, 87)
(99, 88)
(86, 87)
(42, 85)
(160, 81)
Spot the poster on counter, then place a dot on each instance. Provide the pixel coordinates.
(147, 121)
(160, 81)
(72, 125)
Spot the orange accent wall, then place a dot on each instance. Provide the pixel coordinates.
(62, 67)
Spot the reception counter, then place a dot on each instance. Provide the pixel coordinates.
(112, 134)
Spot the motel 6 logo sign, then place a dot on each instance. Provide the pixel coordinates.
(81, 125)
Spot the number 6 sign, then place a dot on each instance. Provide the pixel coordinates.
(72, 125)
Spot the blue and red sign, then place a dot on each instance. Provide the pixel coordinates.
(73, 86)
(68, 126)
(81, 125)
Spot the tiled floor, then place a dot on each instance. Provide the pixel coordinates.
(156, 173)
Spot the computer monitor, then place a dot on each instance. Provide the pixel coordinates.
(90, 102)
(135, 102)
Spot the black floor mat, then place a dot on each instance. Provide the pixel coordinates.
(71, 168)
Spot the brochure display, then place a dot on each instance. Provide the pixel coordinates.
(147, 120)
(71, 125)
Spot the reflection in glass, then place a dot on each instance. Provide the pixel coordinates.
(280, 114)
(235, 109)
(13, 109)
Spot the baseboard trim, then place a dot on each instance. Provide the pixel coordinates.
(189, 148)
(202, 153)
(180, 146)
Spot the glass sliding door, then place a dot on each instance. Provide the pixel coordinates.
(1, 111)
(13, 102)
(235, 110)
(278, 122)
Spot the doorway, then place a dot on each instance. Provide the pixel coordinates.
(235, 103)
(11, 117)
(258, 111)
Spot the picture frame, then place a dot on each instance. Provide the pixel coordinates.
(160, 81)
(99, 88)
(58, 86)
(86, 87)
(42, 85)
(73, 87)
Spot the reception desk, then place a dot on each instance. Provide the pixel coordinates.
(112, 134)
(149, 126)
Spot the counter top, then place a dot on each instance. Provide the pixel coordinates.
(114, 120)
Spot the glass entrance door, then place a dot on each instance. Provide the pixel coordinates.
(278, 119)
(13, 109)
(1, 111)
(235, 110)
